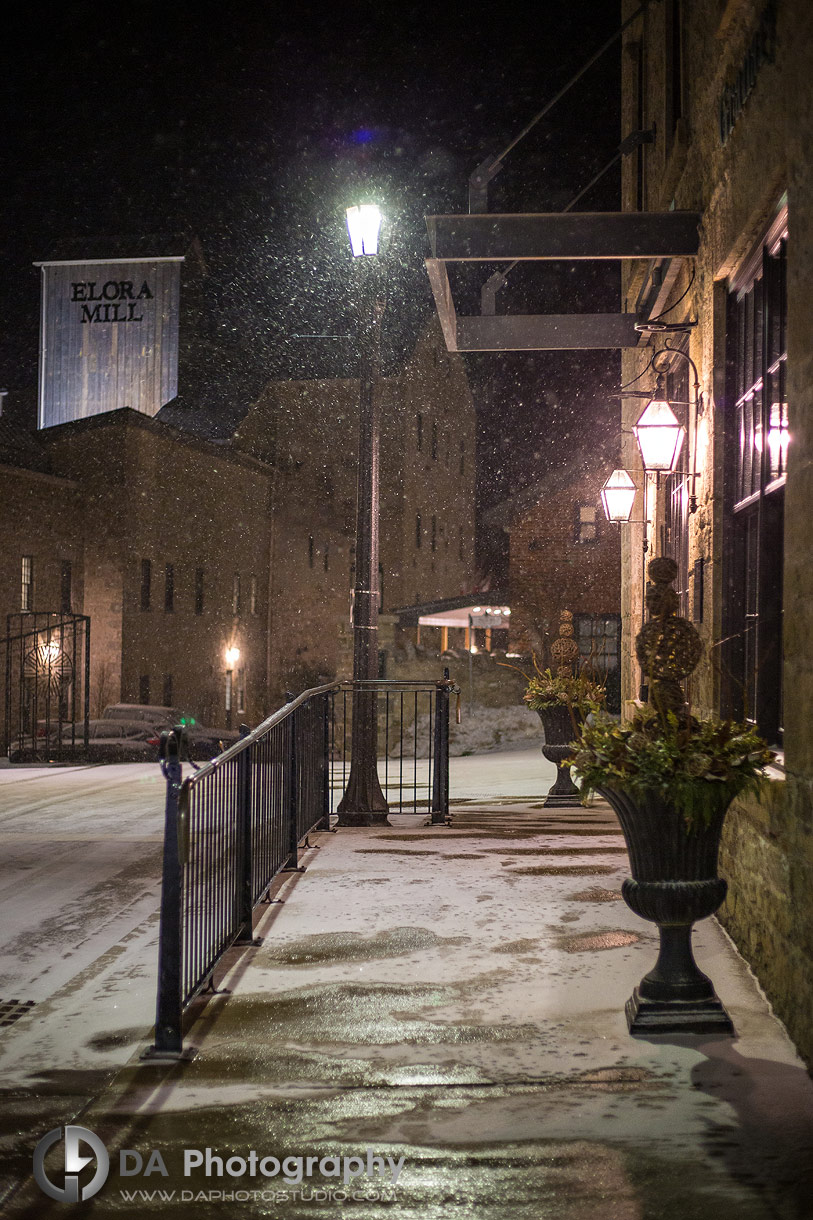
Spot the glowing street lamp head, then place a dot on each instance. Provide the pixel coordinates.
(232, 657)
(618, 496)
(659, 435)
(363, 225)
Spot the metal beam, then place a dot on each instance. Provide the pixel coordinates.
(444, 302)
(546, 332)
(563, 235)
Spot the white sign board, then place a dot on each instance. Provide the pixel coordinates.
(108, 337)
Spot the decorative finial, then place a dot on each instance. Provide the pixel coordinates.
(668, 647)
(565, 650)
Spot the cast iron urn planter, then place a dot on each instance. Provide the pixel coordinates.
(557, 721)
(674, 866)
(674, 883)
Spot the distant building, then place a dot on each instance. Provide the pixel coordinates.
(179, 546)
(564, 555)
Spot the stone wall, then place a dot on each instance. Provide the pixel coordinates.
(152, 493)
(737, 187)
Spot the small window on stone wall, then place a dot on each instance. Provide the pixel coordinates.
(586, 523)
(27, 583)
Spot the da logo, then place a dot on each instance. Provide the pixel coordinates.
(74, 1163)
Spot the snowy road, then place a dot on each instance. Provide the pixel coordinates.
(80, 867)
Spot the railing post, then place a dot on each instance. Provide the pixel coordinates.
(325, 823)
(168, 1034)
(245, 935)
(440, 775)
(292, 863)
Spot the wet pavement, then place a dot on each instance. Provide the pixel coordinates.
(451, 999)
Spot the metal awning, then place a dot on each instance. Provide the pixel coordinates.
(535, 236)
(462, 611)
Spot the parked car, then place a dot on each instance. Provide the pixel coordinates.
(203, 742)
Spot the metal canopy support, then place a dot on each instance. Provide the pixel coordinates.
(563, 235)
(530, 236)
(551, 332)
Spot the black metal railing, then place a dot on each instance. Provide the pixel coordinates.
(47, 685)
(238, 821)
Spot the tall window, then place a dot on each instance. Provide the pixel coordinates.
(144, 689)
(418, 530)
(434, 535)
(146, 585)
(419, 430)
(167, 690)
(236, 596)
(66, 586)
(756, 450)
(252, 595)
(169, 588)
(27, 582)
(199, 590)
(599, 640)
(434, 440)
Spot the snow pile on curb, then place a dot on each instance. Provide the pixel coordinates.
(482, 729)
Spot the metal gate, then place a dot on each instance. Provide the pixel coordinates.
(47, 685)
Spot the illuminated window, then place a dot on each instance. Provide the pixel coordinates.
(27, 583)
(252, 595)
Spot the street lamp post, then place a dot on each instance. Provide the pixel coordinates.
(363, 803)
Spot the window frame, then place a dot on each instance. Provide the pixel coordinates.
(753, 533)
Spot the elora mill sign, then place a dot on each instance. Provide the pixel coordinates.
(115, 300)
(108, 337)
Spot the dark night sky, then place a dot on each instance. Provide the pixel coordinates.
(251, 126)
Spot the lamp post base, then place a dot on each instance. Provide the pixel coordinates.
(349, 818)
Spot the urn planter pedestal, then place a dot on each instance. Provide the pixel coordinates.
(557, 722)
(674, 883)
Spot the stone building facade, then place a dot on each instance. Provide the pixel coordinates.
(729, 89)
(180, 547)
(564, 555)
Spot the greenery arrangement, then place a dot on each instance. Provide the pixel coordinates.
(697, 766)
(545, 689)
